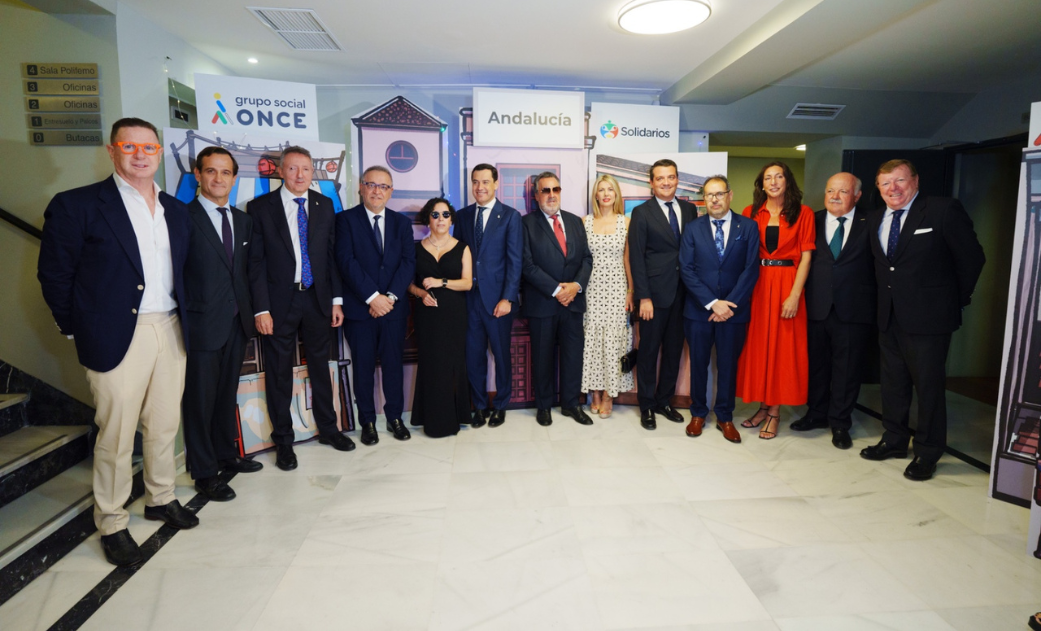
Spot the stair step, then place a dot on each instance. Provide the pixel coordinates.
(19, 448)
(12, 398)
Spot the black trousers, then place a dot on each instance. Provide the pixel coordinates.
(564, 331)
(837, 351)
(663, 332)
(211, 384)
(383, 338)
(306, 319)
(917, 361)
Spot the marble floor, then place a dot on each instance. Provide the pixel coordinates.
(571, 527)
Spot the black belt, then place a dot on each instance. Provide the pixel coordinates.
(300, 287)
(777, 262)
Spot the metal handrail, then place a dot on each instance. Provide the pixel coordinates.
(17, 222)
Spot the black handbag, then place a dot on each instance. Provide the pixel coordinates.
(629, 361)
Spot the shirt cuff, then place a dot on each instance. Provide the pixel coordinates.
(555, 292)
(338, 301)
(709, 305)
(371, 298)
(257, 315)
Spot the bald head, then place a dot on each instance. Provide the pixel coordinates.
(841, 193)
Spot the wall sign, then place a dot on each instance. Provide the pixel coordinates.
(625, 128)
(65, 97)
(236, 105)
(529, 118)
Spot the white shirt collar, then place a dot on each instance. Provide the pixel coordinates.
(890, 211)
(848, 216)
(288, 197)
(726, 217)
(124, 185)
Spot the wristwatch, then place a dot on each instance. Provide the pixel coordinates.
(444, 282)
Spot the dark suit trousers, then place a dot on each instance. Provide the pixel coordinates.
(564, 329)
(211, 384)
(663, 332)
(383, 338)
(914, 360)
(483, 331)
(729, 339)
(304, 317)
(836, 351)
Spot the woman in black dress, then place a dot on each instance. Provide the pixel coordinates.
(443, 276)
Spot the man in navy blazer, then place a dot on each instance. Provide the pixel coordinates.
(376, 255)
(493, 232)
(719, 266)
(556, 268)
(296, 291)
(111, 269)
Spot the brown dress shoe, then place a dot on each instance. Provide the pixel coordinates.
(697, 423)
(729, 431)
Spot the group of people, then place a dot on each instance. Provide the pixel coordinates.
(161, 297)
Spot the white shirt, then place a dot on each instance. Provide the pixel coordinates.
(484, 216)
(675, 208)
(153, 241)
(887, 220)
(831, 224)
(727, 222)
(383, 243)
(215, 218)
(291, 208)
(552, 227)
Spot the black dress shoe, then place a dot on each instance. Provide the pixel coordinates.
(285, 457)
(806, 423)
(173, 514)
(398, 429)
(478, 419)
(368, 434)
(214, 489)
(337, 440)
(920, 470)
(121, 549)
(544, 417)
(241, 465)
(840, 438)
(576, 413)
(497, 418)
(669, 412)
(647, 419)
(882, 451)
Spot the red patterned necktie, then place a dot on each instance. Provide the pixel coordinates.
(559, 231)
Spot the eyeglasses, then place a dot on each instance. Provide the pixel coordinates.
(446, 214)
(548, 190)
(130, 148)
(372, 186)
(720, 195)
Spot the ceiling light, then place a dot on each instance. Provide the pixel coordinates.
(252, 60)
(656, 17)
(800, 148)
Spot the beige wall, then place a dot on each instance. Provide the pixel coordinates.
(742, 173)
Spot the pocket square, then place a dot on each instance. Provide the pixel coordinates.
(923, 230)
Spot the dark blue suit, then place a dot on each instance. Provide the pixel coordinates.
(365, 273)
(708, 278)
(496, 275)
(90, 269)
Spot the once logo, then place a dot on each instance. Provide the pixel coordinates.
(221, 111)
(609, 130)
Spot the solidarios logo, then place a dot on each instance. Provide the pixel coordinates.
(609, 130)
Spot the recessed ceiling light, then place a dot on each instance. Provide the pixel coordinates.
(252, 60)
(656, 17)
(800, 148)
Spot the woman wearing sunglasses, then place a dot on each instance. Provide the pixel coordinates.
(443, 276)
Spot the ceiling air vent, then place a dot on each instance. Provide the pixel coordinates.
(815, 111)
(302, 29)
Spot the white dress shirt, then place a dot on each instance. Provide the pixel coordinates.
(676, 208)
(215, 218)
(484, 216)
(549, 218)
(383, 243)
(887, 220)
(153, 241)
(727, 222)
(831, 224)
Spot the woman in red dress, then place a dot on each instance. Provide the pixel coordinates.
(774, 366)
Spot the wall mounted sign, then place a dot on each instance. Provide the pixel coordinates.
(624, 128)
(62, 104)
(529, 118)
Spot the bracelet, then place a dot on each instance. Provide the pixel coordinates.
(629, 291)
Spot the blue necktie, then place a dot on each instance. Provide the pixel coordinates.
(673, 221)
(894, 235)
(719, 237)
(479, 229)
(376, 233)
(836, 239)
(306, 279)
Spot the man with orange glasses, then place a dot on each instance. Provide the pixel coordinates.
(111, 268)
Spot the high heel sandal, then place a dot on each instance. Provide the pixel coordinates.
(765, 433)
(605, 412)
(748, 421)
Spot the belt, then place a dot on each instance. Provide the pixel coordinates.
(300, 287)
(777, 262)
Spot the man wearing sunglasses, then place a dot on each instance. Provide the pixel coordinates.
(111, 269)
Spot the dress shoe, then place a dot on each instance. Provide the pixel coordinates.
(1035, 620)
(729, 431)
(920, 470)
(697, 423)
(647, 419)
(241, 465)
(121, 549)
(285, 457)
(578, 414)
(497, 418)
(173, 514)
(840, 438)
(882, 451)
(398, 428)
(478, 418)
(368, 434)
(214, 489)
(670, 413)
(544, 417)
(337, 440)
(806, 423)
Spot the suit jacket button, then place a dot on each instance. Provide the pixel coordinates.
(134, 311)
(140, 287)
(892, 269)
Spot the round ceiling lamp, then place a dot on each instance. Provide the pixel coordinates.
(657, 17)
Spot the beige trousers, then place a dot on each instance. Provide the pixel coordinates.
(146, 386)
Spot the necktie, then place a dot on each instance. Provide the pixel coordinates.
(719, 237)
(306, 279)
(894, 235)
(673, 221)
(225, 235)
(479, 229)
(559, 231)
(836, 239)
(376, 233)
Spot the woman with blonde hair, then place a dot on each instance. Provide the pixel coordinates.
(609, 298)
